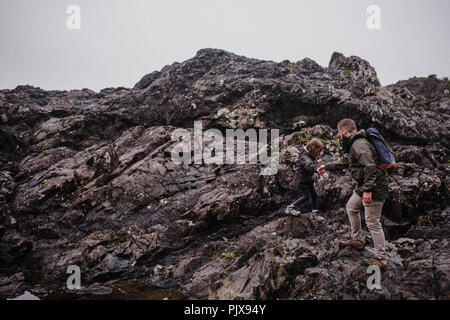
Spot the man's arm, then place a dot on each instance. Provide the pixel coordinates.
(365, 158)
(339, 164)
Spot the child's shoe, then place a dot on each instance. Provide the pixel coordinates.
(291, 211)
(317, 216)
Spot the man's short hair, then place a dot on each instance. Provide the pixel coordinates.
(347, 124)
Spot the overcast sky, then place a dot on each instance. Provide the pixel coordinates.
(121, 40)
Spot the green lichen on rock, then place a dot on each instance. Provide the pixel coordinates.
(347, 71)
(229, 255)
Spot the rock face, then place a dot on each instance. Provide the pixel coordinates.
(87, 178)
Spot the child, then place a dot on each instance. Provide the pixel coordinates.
(307, 165)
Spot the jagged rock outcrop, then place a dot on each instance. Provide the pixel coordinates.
(87, 178)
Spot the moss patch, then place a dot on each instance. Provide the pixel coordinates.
(228, 255)
(347, 71)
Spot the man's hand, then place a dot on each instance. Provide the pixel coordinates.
(321, 169)
(367, 197)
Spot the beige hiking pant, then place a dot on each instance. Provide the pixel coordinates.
(372, 212)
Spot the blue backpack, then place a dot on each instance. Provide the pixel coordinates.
(386, 157)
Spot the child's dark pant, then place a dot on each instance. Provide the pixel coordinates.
(308, 192)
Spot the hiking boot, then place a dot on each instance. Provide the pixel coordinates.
(291, 211)
(317, 216)
(357, 244)
(381, 262)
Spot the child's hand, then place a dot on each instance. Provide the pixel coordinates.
(319, 160)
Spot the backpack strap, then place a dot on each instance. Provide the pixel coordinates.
(358, 136)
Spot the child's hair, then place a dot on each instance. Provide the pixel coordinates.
(314, 147)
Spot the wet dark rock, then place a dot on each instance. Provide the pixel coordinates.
(11, 286)
(430, 87)
(110, 267)
(87, 179)
(48, 231)
(187, 266)
(72, 218)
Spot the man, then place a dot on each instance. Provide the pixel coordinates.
(371, 189)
